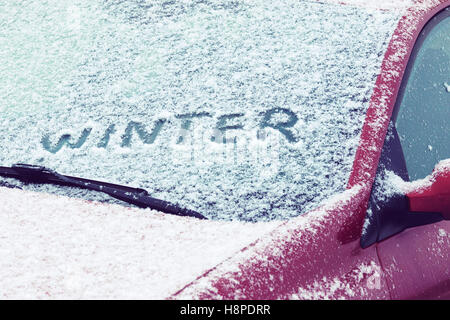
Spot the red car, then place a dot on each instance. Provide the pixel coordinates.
(352, 97)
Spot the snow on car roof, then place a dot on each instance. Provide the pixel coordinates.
(248, 110)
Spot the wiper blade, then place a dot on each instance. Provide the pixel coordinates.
(41, 175)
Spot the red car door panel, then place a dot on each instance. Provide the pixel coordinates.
(416, 262)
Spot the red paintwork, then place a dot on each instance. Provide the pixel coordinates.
(296, 257)
(416, 262)
(433, 198)
(324, 260)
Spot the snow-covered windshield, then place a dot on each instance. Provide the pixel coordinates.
(245, 110)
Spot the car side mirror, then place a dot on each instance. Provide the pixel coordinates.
(434, 197)
(425, 201)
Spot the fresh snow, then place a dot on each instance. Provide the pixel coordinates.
(55, 247)
(390, 184)
(359, 280)
(378, 4)
(71, 65)
(396, 184)
(447, 86)
(291, 81)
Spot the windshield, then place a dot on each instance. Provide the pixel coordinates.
(245, 110)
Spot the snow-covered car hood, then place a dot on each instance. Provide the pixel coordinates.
(144, 94)
(55, 247)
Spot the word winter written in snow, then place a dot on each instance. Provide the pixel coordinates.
(280, 119)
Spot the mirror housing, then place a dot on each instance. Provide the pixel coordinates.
(435, 197)
(428, 202)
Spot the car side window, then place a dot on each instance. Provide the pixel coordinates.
(422, 120)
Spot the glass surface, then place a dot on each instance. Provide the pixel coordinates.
(423, 121)
(247, 110)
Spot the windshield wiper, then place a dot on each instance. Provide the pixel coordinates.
(136, 196)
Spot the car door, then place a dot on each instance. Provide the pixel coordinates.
(414, 248)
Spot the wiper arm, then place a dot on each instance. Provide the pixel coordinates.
(139, 197)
